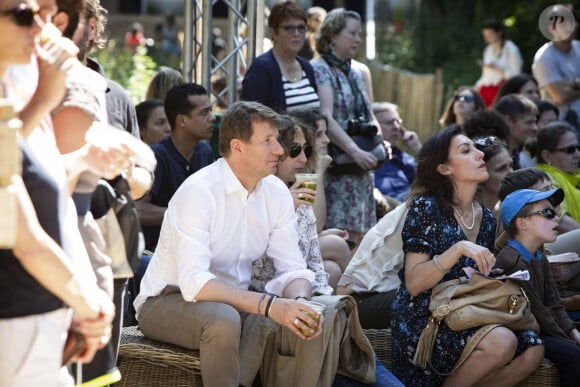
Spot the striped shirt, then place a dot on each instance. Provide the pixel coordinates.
(300, 94)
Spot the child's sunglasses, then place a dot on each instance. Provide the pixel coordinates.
(548, 213)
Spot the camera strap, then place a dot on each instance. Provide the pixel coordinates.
(345, 67)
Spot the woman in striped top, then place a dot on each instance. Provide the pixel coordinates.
(280, 78)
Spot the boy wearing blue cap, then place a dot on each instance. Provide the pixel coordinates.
(530, 220)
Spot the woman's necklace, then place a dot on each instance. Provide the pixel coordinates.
(461, 217)
(293, 74)
(293, 78)
(292, 70)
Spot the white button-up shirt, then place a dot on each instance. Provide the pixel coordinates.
(213, 229)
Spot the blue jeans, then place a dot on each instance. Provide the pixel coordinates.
(133, 288)
(384, 379)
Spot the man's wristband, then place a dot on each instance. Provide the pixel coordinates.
(303, 297)
(269, 305)
(261, 302)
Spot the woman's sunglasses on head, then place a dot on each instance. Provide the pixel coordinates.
(482, 143)
(22, 15)
(295, 150)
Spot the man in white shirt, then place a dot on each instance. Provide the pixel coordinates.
(557, 66)
(222, 219)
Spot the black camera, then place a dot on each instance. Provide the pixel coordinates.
(358, 126)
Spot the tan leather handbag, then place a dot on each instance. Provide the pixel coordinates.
(464, 303)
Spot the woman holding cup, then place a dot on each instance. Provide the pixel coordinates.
(299, 148)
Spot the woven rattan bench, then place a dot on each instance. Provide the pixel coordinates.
(144, 362)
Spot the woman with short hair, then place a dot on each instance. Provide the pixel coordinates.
(280, 78)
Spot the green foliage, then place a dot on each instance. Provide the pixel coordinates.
(395, 49)
(133, 72)
(144, 68)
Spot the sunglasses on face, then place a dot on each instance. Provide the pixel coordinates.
(295, 150)
(292, 29)
(547, 213)
(569, 149)
(465, 98)
(22, 15)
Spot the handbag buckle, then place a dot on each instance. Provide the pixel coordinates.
(442, 310)
(512, 304)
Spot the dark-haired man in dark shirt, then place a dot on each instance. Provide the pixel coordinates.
(189, 112)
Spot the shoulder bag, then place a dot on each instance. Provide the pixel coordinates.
(361, 129)
(464, 303)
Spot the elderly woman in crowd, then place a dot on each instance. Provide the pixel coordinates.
(280, 78)
(345, 91)
(446, 229)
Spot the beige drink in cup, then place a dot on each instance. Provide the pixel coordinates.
(309, 180)
(319, 309)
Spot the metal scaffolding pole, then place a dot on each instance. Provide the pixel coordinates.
(199, 65)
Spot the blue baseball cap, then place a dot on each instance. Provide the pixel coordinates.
(515, 201)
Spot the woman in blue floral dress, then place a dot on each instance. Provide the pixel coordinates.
(446, 230)
(345, 93)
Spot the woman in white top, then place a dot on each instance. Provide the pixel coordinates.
(501, 60)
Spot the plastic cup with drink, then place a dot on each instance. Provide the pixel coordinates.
(307, 180)
(319, 309)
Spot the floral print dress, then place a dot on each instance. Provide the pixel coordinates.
(350, 201)
(263, 269)
(428, 230)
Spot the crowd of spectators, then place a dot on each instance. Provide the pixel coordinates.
(235, 256)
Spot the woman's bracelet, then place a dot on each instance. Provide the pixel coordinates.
(439, 266)
(269, 305)
(261, 302)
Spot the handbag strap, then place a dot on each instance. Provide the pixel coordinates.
(473, 342)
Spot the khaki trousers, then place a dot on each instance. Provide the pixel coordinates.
(234, 346)
(231, 344)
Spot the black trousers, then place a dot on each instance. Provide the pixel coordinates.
(374, 309)
(105, 359)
